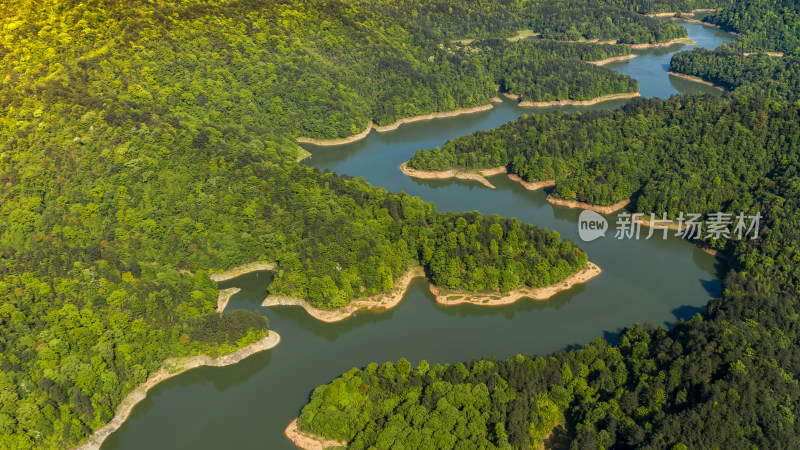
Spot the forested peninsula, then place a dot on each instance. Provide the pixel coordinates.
(728, 377)
(147, 145)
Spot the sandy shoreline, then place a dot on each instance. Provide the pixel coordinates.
(388, 300)
(532, 185)
(696, 80)
(599, 209)
(693, 12)
(169, 369)
(773, 54)
(303, 154)
(713, 252)
(454, 173)
(339, 141)
(243, 269)
(699, 22)
(454, 297)
(683, 40)
(224, 297)
(309, 441)
(594, 101)
(379, 302)
(612, 59)
(395, 125)
(436, 115)
(478, 176)
(644, 219)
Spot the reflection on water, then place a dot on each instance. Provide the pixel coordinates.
(249, 404)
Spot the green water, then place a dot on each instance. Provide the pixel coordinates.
(249, 404)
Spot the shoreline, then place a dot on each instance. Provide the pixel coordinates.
(393, 126)
(532, 185)
(589, 271)
(303, 154)
(454, 173)
(435, 115)
(684, 40)
(696, 80)
(772, 54)
(224, 297)
(594, 101)
(691, 13)
(598, 209)
(583, 41)
(699, 22)
(612, 59)
(241, 270)
(307, 440)
(479, 176)
(381, 301)
(170, 368)
(388, 300)
(714, 252)
(336, 141)
(672, 226)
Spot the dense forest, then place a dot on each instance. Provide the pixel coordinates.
(473, 252)
(756, 74)
(645, 150)
(145, 145)
(549, 70)
(577, 19)
(584, 51)
(725, 379)
(765, 25)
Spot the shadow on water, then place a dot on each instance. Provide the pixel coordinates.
(686, 312)
(329, 331)
(612, 337)
(235, 375)
(713, 287)
(470, 185)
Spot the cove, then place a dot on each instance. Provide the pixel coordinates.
(248, 405)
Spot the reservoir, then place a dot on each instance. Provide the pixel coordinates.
(249, 404)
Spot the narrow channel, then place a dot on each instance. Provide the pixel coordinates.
(249, 404)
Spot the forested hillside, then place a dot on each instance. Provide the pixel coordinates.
(725, 379)
(546, 71)
(755, 74)
(146, 144)
(644, 149)
(578, 19)
(765, 25)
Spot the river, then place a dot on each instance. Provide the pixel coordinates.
(249, 404)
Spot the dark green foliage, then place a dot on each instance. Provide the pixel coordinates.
(725, 379)
(145, 144)
(585, 51)
(547, 71)
(226, 328)
(664, 154)
(478, 253)
(575, 20)
(759, 74)
(766, 25)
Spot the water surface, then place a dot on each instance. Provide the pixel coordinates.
(249, 404)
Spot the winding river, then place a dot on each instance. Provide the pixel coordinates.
(249, 404)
